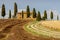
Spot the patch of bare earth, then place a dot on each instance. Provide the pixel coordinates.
(13, 30)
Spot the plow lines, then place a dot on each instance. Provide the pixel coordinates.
(38, 29)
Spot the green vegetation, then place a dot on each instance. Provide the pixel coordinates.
(38, 16)
(3, 11)
(34, 13)
(57, 17)
(28, 11)
(45, 15)
(51, 15)
(9, 13)
(15, 9)
(22, 14)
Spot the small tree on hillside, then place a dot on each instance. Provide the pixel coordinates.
(9, 13)
(28, 11)
(43, 18)
(15, 9)
(3, 11)
(38, 18)
(45, 15)
(51, 15)
(57, 17)
(34, 13)
(22, 14)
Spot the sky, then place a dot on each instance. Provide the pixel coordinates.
(39, 5)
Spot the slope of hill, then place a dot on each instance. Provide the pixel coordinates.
(42, 29)
(14, 30)
(10, 29)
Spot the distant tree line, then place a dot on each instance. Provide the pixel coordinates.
(34, 14)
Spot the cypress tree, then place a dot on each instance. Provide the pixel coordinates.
(9, 13)
(51, 15)
(28, 11)
(22, 14)
(43, 18)
(38, 18)
(3, 11)
(57, 17)
(45, 15)
(15, 9)
(34, 13)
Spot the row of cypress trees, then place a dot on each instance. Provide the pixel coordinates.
(28, 12)
(35, 15)
(39, 18)
(3, 13)
(44, 17)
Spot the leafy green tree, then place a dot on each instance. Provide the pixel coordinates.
(9, 13)
(34, 13)
(51, 15)
(57, 17)
(28, 11)
(38, 18)
(15, 9)
(45, 15)
(22, 14)
(3, 11)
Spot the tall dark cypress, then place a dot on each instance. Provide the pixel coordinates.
(28, 11)
(51, 15)
(45, 14)
(57, 17)
(34, 13)
(38, 18)
(3, 11)
(9, 13)
(22, 14)
(15, 9)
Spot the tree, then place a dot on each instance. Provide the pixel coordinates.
(28, 11)
(15, 9)
(45, 15)
(22, 14)
(3, 11)
(34, 13)
(38, 18)
(43, 18)
(51, 15)
(9, 13)
(57, 17)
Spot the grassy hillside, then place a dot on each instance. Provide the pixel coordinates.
(41, 29)
(13, 29)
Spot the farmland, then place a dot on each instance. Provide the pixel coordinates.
(13, 29)
(46, 29)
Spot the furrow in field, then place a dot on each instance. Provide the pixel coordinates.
(39, 29)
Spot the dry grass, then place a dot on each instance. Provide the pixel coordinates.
(51, 24)
(13, 30)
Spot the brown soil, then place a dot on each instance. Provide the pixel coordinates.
(13, 30)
